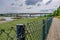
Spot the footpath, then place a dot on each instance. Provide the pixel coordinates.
(54, 32)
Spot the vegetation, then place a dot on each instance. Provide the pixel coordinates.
(57, 12)
(50, 15)
(6, 26)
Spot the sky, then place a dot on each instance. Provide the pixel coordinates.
(28, 6)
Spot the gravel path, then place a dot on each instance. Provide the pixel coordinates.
(54, 32)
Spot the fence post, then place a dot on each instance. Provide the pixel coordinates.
(20, 32)
(43, 30)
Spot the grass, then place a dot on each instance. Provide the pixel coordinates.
(57, 17)
(6, 26)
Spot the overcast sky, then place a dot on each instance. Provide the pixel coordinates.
(28, 6)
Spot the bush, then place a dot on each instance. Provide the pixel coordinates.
(57, 12)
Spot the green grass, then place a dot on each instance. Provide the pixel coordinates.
(6, 26)
(57, 17)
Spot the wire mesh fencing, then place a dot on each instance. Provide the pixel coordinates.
(38, 30)
(8, 35)
(35, 30)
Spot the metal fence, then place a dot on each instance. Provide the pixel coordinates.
(36, 30)
(8, 35)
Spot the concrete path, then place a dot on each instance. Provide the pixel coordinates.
(54, 32)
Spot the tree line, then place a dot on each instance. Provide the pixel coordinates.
(55, 13)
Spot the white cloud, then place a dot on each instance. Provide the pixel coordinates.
(16, 8)
(45, 1)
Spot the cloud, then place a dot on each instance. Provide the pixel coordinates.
(29, 8)
(20, 7)
(48, 2)
(32, 2)
(38, 4)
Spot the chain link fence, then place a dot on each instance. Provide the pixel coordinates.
(8, 35)
(36, 30)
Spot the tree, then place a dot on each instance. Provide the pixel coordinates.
(57, 12)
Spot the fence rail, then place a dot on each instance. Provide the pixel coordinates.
(36, 30)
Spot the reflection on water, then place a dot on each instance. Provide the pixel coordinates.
(7, 18)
